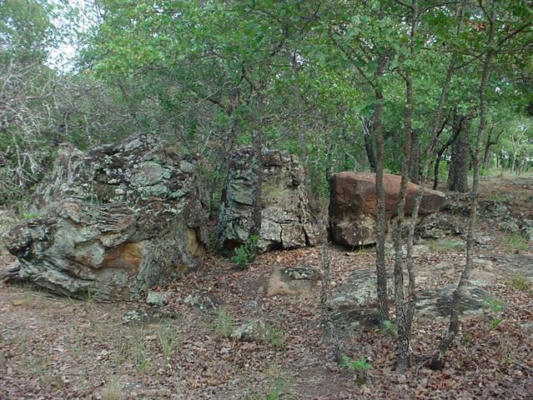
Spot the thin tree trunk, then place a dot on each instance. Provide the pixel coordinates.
(414, 160)
(377, 130)
(411, 302)
(404, 329)
(258, 155)
(369, 149)
(437, 361)
(403, 320)
(299, 111)
(440, 153)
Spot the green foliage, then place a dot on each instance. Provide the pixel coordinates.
(246, 253)
(276, 390)
(168, 338)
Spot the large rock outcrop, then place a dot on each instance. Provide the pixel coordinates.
(286, 218)
(114, 221)
(353, 205)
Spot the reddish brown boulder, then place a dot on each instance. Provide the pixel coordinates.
(353, 205)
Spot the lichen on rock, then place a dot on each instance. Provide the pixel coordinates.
(115, 221)
(286, 219)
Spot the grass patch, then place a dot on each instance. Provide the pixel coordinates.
(515, 242)
(112, 391)
(276, 337)
(169, 340)
(38, 367)
(445, 245)
(276, 390)
(223, 323)
(520, 282)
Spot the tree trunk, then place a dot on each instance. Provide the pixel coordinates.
(299, 112)
(440, 153)
(370, 153)
(437, 362)
(459, 163)
(258, 155)
(402, 323)
(409, 305)
(377, 130)
(414, 159)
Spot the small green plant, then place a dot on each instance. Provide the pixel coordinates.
(276, 390)
(246, 253)
(465, 339)
(388, 328)
(497, 307)
(141, 356)
(359, 366)
(276, 337)
(494, 304)
(497, 196)
(495, 322)
(168, 339)
(515, 242)
(223, 323)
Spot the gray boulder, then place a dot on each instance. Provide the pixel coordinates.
(438, 226)
(204, 301)
(358, 295)
(287, 221)
(158, 299)
(115, 221)
(251, 331)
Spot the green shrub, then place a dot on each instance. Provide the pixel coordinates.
(246, 253)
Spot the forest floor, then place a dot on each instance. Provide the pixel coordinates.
(57, 348)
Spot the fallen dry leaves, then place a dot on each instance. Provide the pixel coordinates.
(52, 348)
